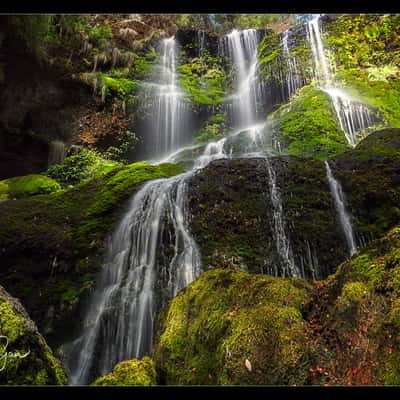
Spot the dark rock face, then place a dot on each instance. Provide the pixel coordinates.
(232, 215)
(38, 105)
(232, 211)
(370, 177)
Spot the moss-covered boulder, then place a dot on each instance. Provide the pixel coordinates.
(25, 358)
(130, 373)
(356, 318)
(231, 327)
(307, 126)
(52, 245)
(28, 185)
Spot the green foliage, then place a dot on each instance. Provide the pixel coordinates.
(100, 35)
(269, 48)
(227, 317)
(213, 129)
(204, 80)
(279, 22)
(131, 372)
(365, 40)
(308, 125)
(82, 165)
(121, 152)
(25, 186)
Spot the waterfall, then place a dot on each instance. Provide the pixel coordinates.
(200, 39)
(169, 114)
(242, 48)
(283, 247)
(339, 200)
(353, 115)
(293, 80)
(57, 152)
(120, 320)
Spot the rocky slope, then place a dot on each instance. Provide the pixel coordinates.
(231, 327)
(232, 211)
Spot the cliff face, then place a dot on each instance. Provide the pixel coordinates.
(232, 214)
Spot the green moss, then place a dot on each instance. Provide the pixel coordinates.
(352, 292)
(83, 165)
(308, 126)
(204, 81)
(11, 325)
(28, 185)
(227, 317)
(362, 40)
(119, 88)
(132, 372)
(269, 48)
(33, 362)
(63, 234)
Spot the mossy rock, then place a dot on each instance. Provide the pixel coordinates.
(21, 187)
(130, 373)
(53, 244)
(307, 126)
(231, 327)
(357, 317)
(30, 361)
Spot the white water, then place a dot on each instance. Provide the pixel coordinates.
(344, 218)
(242, 48)
(120, 320)
(200, 39)
(57, 152)
(353, 116)
(169, 113)
(293, 80)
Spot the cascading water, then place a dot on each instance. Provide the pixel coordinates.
(293, 79)
(287, 266)
(339, 200)
(353, 115)
(120, 319)
(242, 47)
(57, 152)
(169, 113)
(200, 39)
